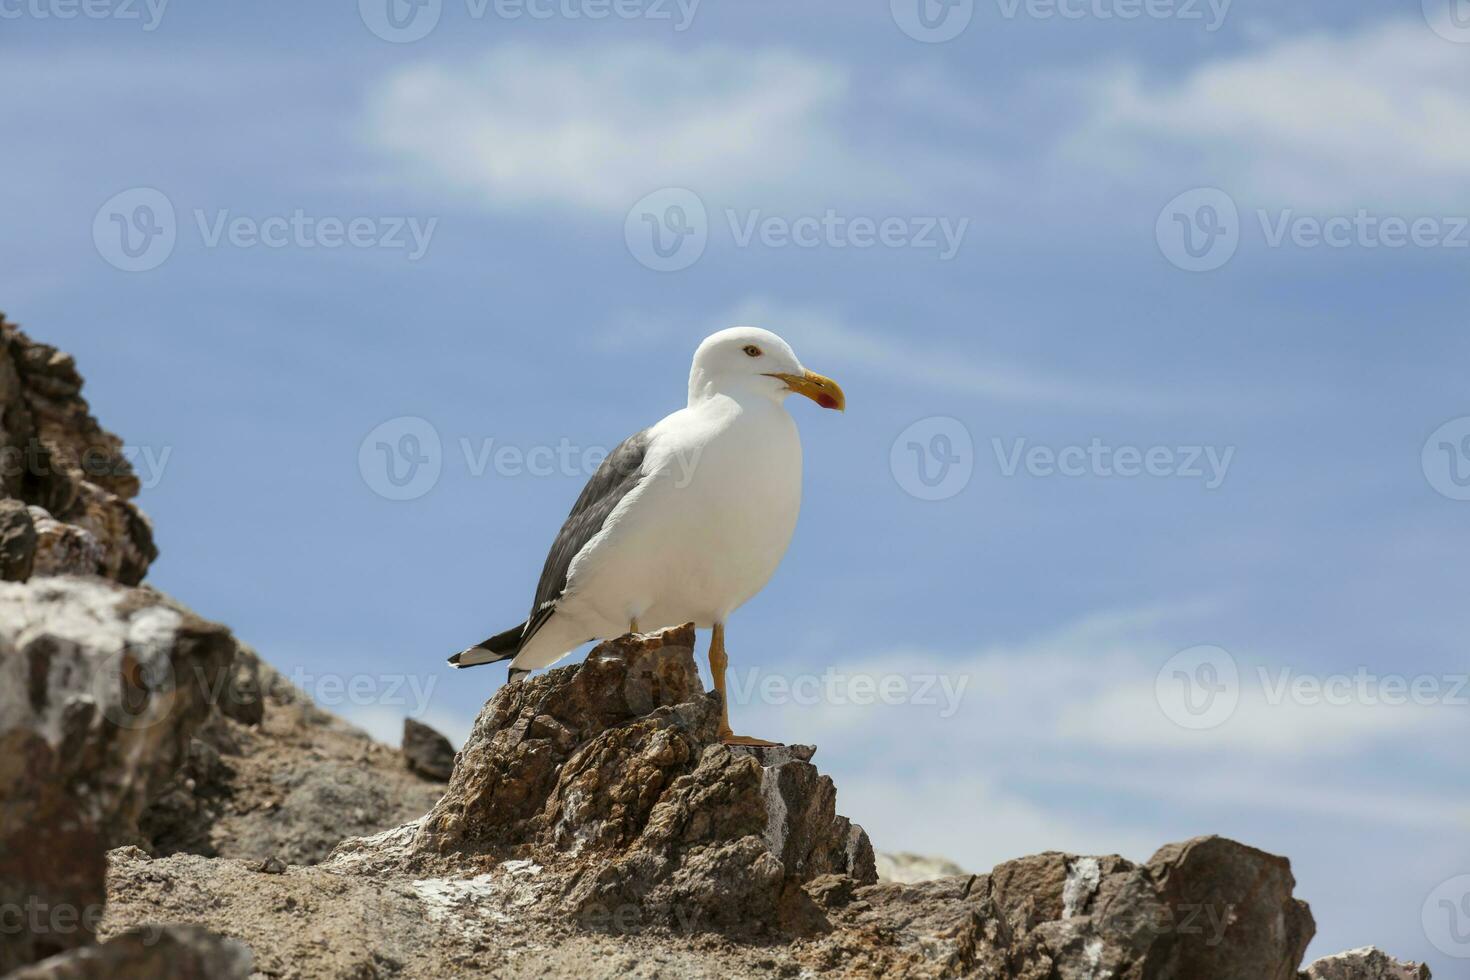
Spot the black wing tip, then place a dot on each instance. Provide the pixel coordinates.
(457, 661)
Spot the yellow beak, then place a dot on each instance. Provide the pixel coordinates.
(822, 390)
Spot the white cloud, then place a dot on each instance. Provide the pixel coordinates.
(1376, 118)
(599, 127)
(968, 818)
(1082, 699)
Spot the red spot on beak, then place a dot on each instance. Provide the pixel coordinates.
(826, 401)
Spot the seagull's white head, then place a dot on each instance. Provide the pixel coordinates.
(749, 360)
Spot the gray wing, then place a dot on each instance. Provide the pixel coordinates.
(618, 474)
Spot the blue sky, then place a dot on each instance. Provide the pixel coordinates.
(1033, 322)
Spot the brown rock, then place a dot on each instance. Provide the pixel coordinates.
(1365, 964)
(101, 688)
(55, 456)
(17, 541)
(610, 775)
(270, 774)
(1206, 908)
(426, 752)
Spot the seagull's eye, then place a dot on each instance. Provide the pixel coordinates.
(752, 350)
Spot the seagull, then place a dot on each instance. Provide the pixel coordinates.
(682, 522)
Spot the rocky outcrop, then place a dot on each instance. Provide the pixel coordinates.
(271, 775)
(1365, 964)
(610, 777)
(1204, 908)
(426, 752)
(75, 476)
(101, 688)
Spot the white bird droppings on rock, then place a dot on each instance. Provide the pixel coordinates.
(1083, 878)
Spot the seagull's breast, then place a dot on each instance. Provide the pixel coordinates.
(710, 523)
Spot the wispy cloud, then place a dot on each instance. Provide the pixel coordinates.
(1082, 701)
(600, 126)
(1373, 118)
(829, 339)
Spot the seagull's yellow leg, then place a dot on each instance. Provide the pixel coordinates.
(633, 626)
(718, 662)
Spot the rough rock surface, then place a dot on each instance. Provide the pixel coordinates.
(595, 827)
(426, 752)
(17, 541)
(76, 476)
(101, 687)
(1364, 964)
(1039, 918)
(271, 775)
(610, 775)
(1204, 908)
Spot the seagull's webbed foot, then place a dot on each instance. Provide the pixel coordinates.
(718, 662)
